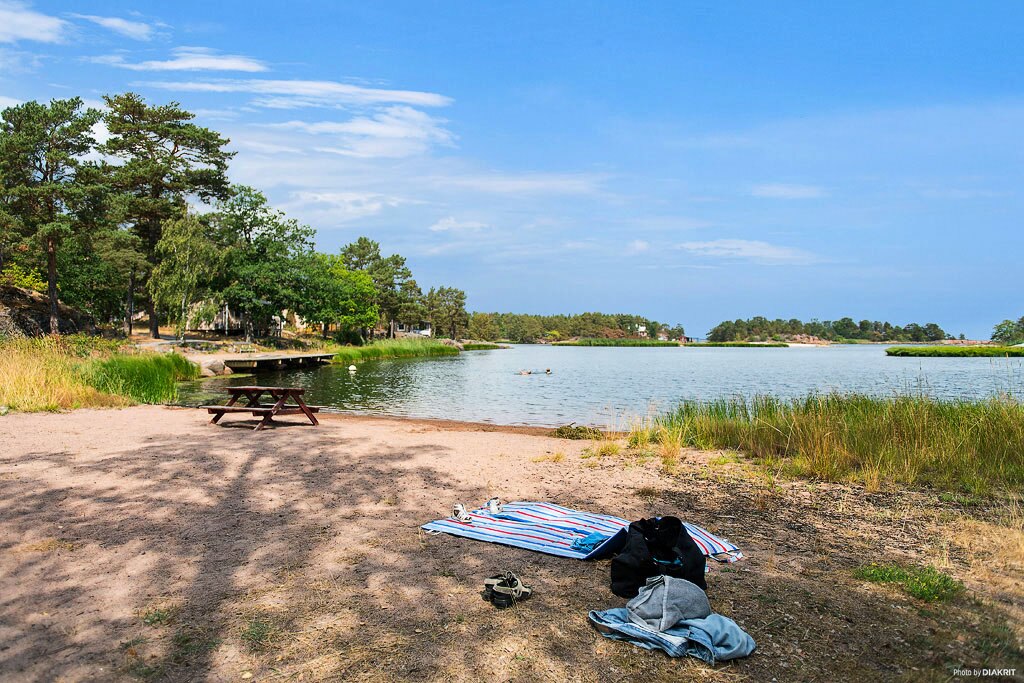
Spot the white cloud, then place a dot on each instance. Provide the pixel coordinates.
(286, 94)
(18, 22)
(342, 206)
(187, 59)
(6, 102)
(638, 246)
(750, 250)
(136, 30)
(450, 224)
(525, 183)
(783, 191)
(396, 131)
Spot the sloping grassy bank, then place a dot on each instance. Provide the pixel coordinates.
(392, 348)
(956, 351)
(616, 342)
(967, 445)
(55, 373)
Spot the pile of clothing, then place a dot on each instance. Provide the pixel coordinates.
(661, 570)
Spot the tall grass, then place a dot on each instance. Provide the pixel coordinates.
(956, 351)
(616, 342)
(55, 373)
(146, 378)
(392, 348)
(480, 346)
(968, 445)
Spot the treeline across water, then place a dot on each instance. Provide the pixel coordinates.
(763, 329)
(528, 329)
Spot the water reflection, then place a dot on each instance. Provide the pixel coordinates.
(609, 386)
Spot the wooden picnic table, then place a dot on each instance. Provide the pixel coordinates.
(253, 396)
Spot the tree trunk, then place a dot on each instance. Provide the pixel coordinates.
(184, 317)
(129, 305)
(51, 283)
(324, 330)
(154, 322)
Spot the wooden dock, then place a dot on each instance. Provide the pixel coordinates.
(263, 362)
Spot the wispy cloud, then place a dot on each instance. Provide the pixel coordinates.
(395, 131)
(526, 183)
(136, 30)
(638, 246)
(451, 224)
(784, 191)
(750, 250)
(342, 206)
(293, 94)
(8, 102)
(18, 22)
(187, 59)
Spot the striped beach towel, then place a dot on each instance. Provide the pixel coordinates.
(557, 530)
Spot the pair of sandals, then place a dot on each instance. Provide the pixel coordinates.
(460, 512)
(505, 590)
(502, 590)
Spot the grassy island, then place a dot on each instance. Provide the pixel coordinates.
(392, 348)
(480, 346)
(744, 345)
(956, 351)
(615, 342)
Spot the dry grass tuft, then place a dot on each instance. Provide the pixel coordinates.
(49, 545)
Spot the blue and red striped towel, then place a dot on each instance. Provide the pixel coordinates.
(556, 530)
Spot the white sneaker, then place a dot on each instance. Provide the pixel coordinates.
(494, 506)
(460, 513)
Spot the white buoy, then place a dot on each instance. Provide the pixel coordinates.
(351, 368)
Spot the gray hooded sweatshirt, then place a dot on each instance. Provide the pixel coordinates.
(665, 601)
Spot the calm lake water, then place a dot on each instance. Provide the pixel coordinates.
(608, 387)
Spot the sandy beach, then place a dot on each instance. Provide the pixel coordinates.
(144, 543)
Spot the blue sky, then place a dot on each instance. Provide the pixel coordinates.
(688, 161)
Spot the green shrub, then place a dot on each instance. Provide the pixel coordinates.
(576, 432)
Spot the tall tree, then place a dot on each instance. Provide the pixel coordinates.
(390, 276)
(334, 295)
(165, 158)
(265, 252)
(1009, 332)
(446, 307)
(188, 260)
(41, 150)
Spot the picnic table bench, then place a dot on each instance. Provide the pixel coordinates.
(253, 405)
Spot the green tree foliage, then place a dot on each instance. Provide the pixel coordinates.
(187, 262)
(391, 278)
(335, 295)
(763, 329)
(526, 329)
(1009, 332)
(164, 159)
(265, 254)
(484, 327)
(41, 150)
(446, 311)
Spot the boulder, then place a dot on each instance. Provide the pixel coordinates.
(24, 313)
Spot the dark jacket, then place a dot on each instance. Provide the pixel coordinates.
(656, 546)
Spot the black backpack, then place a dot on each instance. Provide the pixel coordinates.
(656, 546)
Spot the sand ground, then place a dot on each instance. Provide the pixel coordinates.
(143, 543)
